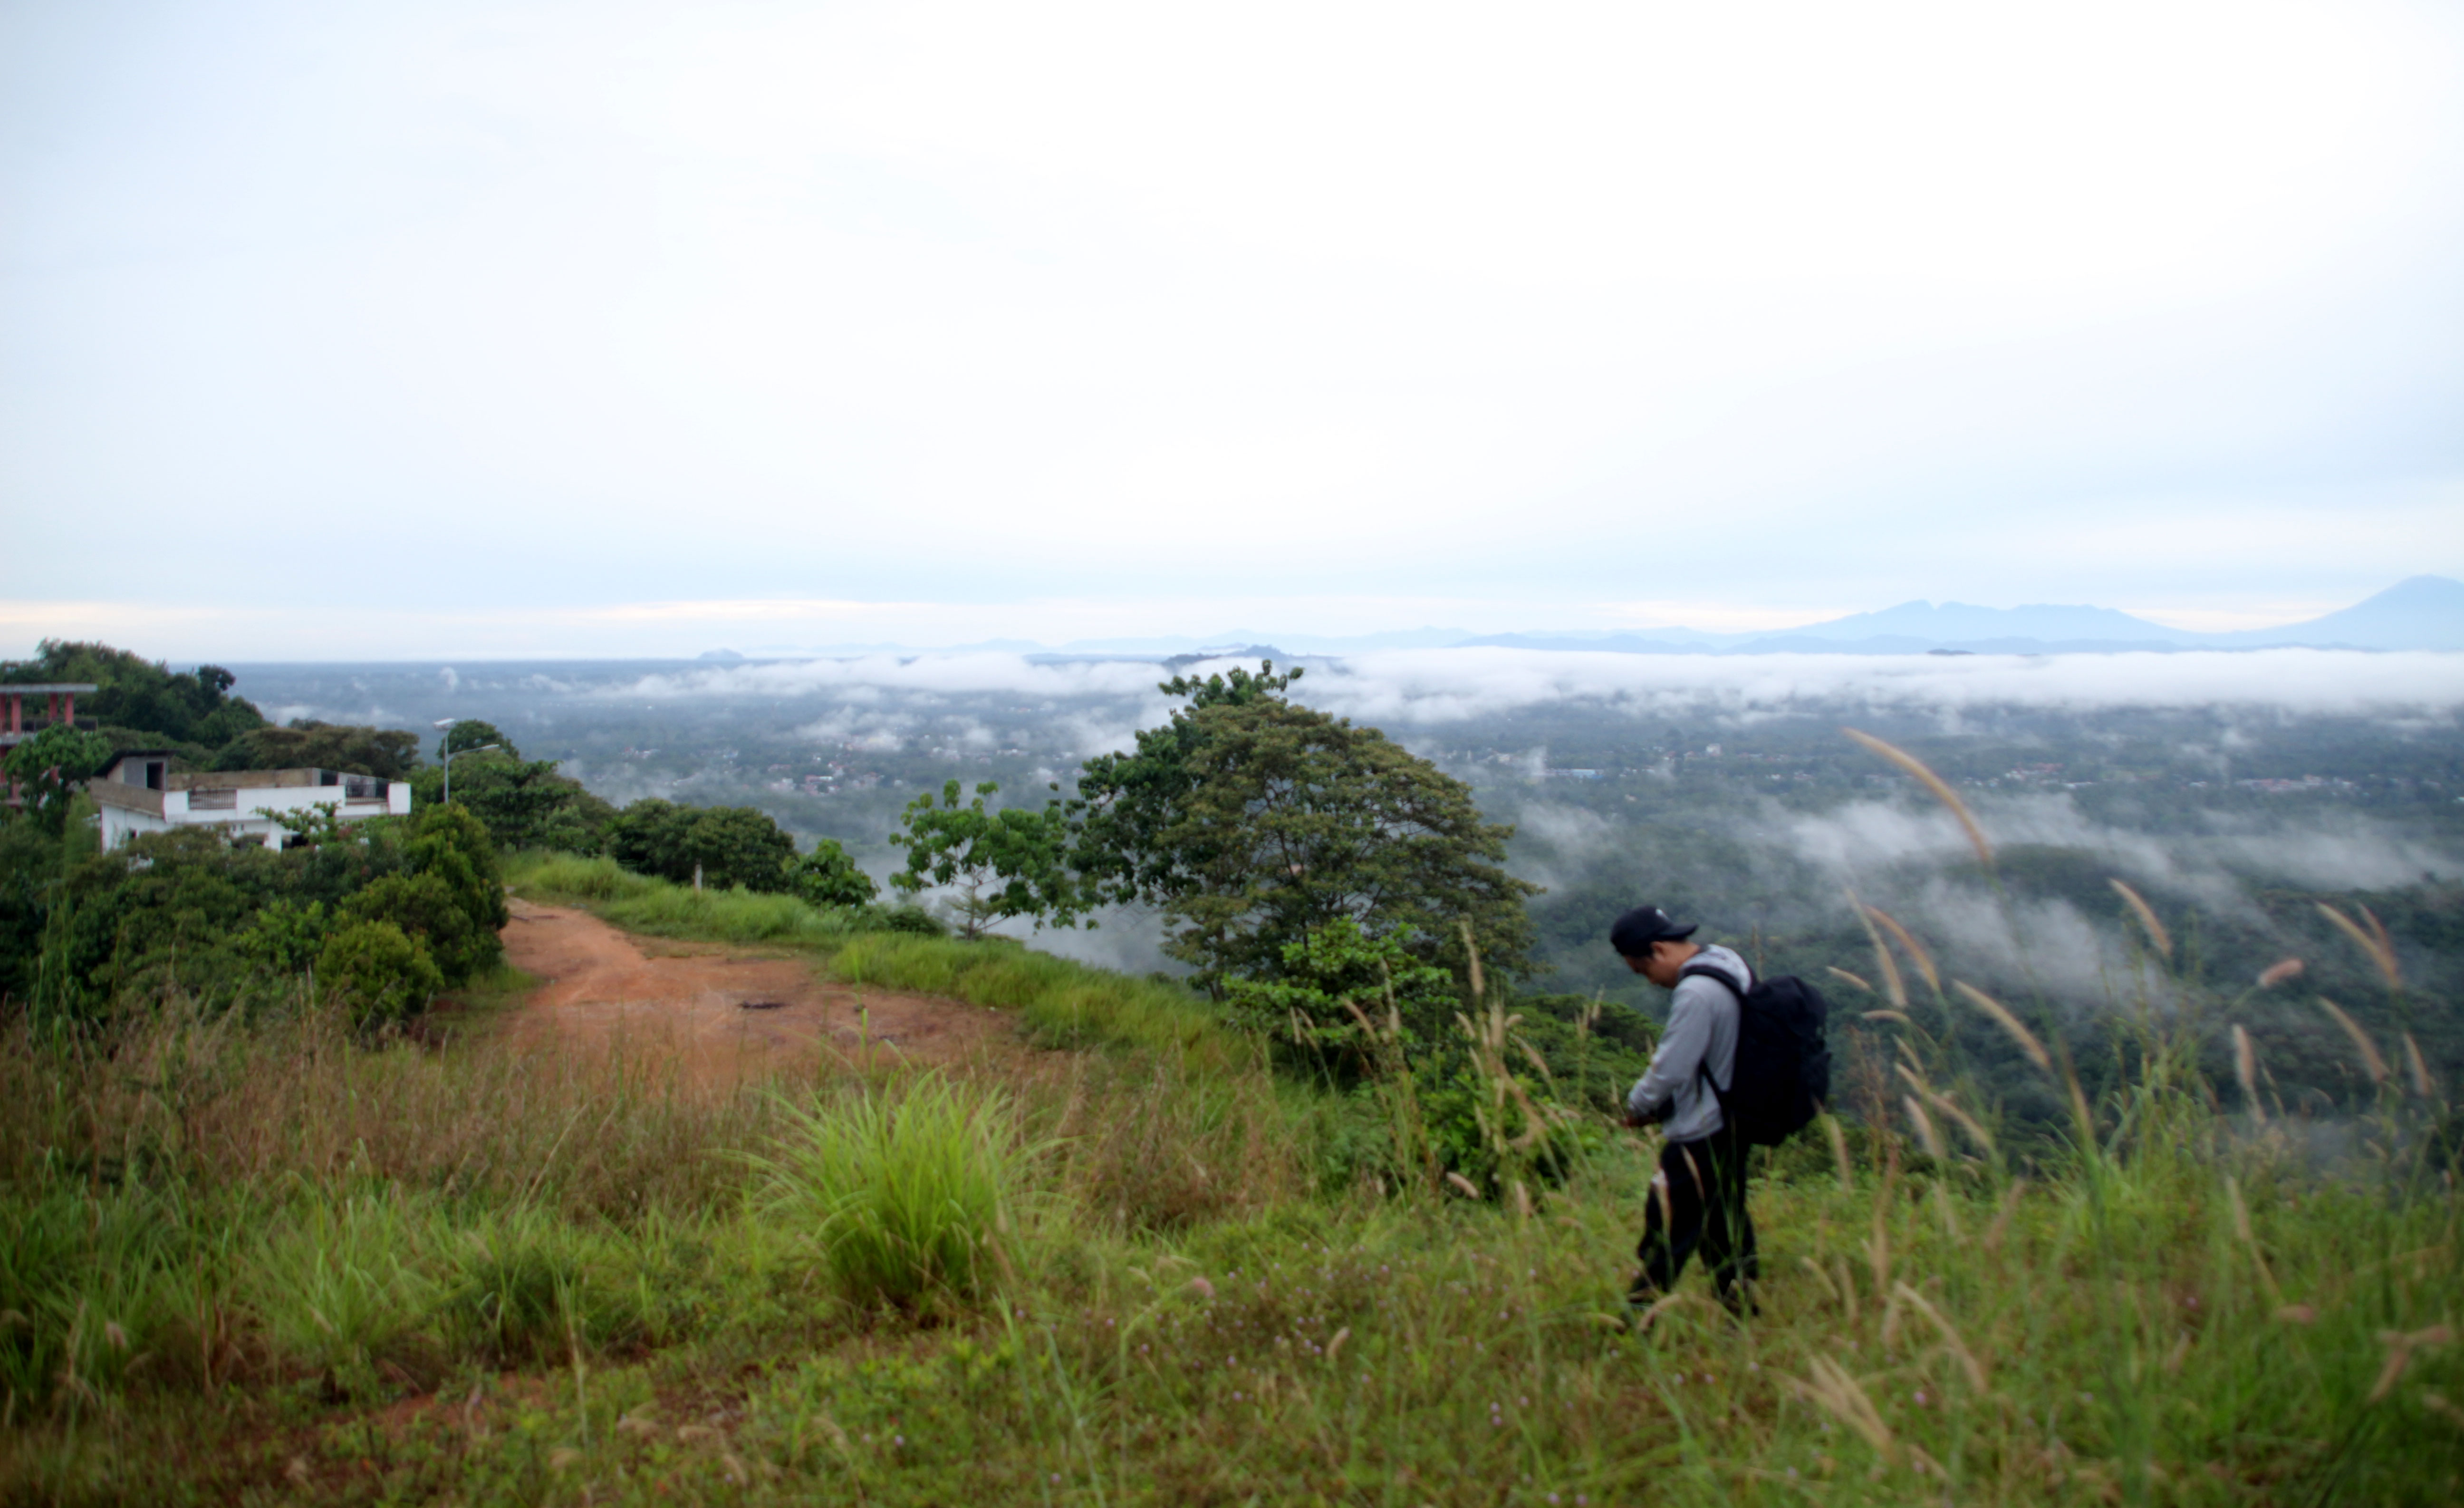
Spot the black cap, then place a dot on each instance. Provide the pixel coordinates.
(1632, 934)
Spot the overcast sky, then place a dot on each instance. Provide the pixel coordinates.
(334, 329)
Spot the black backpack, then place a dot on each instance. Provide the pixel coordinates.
(1783, 1071)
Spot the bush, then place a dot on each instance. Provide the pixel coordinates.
(903, 1189)
(424, 908)
(567, 876)
(378, 973)
(827, 877)
(911, 919)
(1332, 970)
(727, 845)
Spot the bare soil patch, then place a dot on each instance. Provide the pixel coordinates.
(686, 1003)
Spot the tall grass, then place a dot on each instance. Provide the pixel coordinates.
(906, 1188)
(1064, 1004)
(658, 908)
(620, 1288)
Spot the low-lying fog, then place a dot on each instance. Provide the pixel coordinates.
(2232, 788)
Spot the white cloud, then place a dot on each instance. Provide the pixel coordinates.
(1427, 686)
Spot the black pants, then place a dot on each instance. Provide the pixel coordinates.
(1704, 1207)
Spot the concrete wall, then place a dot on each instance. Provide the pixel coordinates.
(127, 810)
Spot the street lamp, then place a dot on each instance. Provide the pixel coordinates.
(450, 754)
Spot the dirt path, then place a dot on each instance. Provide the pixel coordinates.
(600, 988)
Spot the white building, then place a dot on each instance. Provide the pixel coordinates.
(137, 792)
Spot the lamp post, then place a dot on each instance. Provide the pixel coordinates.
(452, 754)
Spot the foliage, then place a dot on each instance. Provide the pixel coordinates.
(377, 972)
(425, 907)
(826, 876)
(1334, 970)
(450, 846)
(386, 753)
(726, 846)
(50, 767)
(285, 935)
(469, 733)
(1127, 801)
(193, 708)
(910, 918)
(905, 1192)
(186, 912)
(1005, 863)
(1255, 822)
(524, 804)
(308, 826)
(2192, 1300)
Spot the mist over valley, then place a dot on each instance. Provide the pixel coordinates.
(2234, 791)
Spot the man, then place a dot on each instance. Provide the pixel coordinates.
(1698, 1198)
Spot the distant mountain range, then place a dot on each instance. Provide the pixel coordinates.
(2422, 612)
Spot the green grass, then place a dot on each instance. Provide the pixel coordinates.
(658, 908)
(906, 1188)
(262, 1261)
(1066, 1004)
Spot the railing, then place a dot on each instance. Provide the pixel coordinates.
(213, 801)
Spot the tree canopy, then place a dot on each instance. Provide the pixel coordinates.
(136, 695)
(1003, 863)
(727, 845)
(386, 753)
(470, 732)
(1253, 822)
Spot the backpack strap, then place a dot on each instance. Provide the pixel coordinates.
(1702, 1069)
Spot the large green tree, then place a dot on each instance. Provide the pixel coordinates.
(1002, 863)
(1253, 822)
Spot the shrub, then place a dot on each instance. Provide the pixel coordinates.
(728, 845)
(425, 908)
(827, 877)
(285, 937)
(903, 1189)
(451, 844)
(911, 919)
(378, 973)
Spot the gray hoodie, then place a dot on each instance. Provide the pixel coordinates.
(1702, 1029)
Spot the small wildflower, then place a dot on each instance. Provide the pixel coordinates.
(1920, 1397)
